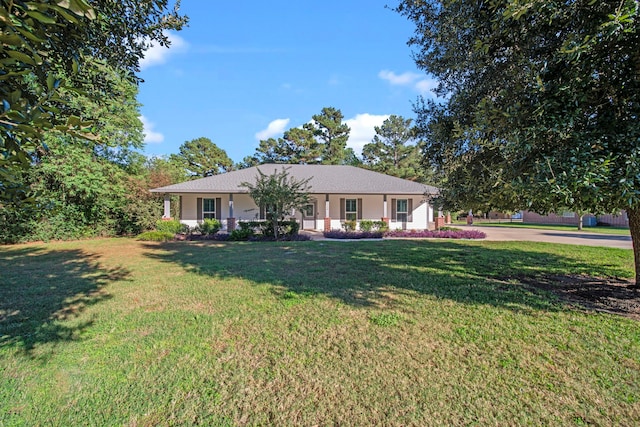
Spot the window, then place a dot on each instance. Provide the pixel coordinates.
(208, 208)
(351, 209)
(309, 211)
(402, 210)
(567, 214)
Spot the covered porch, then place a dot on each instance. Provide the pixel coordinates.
(324, 212)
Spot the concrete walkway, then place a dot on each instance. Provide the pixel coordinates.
(553, 236)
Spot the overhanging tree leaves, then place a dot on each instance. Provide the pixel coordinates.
(84, 187)
(278, 194)
(40, 41)
(542, 103)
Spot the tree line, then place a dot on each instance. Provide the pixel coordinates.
(85, 188)
(394, 150)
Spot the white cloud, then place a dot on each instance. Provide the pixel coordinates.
(150, 136)
(414, 80)
(157, 54)
(362, 129)
(404, 79)
(276, 127)
(426, 85)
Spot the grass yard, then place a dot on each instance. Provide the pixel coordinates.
(121, 332)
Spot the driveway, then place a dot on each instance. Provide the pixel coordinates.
(554, 236)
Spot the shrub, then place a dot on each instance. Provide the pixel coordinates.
(286, 228)
(156, 236)
(449, 229)
(170, 226)
(209, 226)
(241, 234)
(380, 225)
(349, 225)
(366, 225)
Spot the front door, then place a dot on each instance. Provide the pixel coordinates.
(309, 217)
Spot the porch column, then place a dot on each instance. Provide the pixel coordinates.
(440, 220)
(231, 221)
(327, 217)
(385, 215)
(167, 206)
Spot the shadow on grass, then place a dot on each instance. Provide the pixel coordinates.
(44, 292)
(378, 273)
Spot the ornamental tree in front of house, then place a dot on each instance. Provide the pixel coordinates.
(278, 194)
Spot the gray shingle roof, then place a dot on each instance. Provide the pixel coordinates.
(333, 179)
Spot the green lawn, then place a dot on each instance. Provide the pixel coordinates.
(121, 332)
(600, 230)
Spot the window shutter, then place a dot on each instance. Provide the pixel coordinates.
(359, 208)
(218, 208)
(342, 209)
(180, 207)
(199, 209)
(262, 213)
(394, 207)
(410, 210)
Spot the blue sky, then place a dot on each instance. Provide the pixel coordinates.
(245, 71)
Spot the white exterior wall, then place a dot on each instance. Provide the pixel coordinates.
(244, 209)
(373, 209)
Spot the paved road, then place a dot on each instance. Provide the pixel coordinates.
(554, 236)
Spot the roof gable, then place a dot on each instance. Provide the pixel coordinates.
(332, 179)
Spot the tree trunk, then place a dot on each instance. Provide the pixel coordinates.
(275, 227)
(634, 228)
(580, 218)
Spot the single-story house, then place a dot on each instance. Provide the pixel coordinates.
(338, 193)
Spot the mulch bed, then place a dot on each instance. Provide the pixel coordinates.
(617, 296)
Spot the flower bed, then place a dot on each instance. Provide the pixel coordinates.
(339, 234)
(438, 234)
